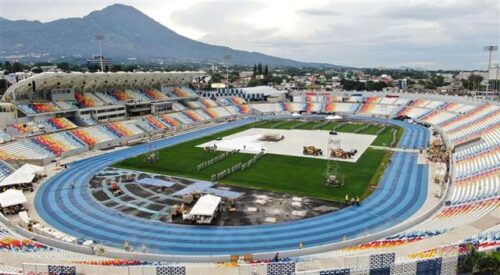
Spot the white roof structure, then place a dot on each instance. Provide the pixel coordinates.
(266, 90)
(336, 117)
(205, 206)
(95, 81)
(24, 174)
(12, 197)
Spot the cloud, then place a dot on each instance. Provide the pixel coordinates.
(317, 12)
(437, 34)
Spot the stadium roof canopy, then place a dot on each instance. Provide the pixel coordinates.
(12, 197)
(94, 81)
(266, 90)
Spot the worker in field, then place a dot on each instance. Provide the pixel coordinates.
(357, 200)
(346, 198)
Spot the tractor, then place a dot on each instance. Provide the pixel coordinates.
(312, 151)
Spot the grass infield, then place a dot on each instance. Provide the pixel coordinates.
(289, 174)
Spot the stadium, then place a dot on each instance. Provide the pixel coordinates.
(136, 173)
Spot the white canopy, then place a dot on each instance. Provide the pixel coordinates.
(205, 206)
(12, 197)
(295, 114)
(24, 174)
(333, 117)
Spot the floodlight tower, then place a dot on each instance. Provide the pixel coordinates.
(497, 66)
(152, 155)
(99, 38)
(227, 57)
(489, 49)
(333, 176)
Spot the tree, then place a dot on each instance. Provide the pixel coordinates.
(64, 66)
(254, 82)
(476, 262)
(216, 78)
(438, 81)
(276, 79)
(259, 69)
(36, 70)
(131, 68)
(14, 67)
(116, 68)
(266, 70)
(375, 86)
(473, 82)
(3, 85)
(350, 85)
(254, 70)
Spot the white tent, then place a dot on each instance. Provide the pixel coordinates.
(296, 115)
(336, 117)
(24, 174)
(12, 197)
(205, 206)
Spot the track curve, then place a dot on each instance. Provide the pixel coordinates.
(400, 194)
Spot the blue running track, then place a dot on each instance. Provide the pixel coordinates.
(400, 194)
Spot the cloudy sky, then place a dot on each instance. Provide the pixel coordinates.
(431, 34)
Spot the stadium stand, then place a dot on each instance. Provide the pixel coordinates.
(194, 104)
(413, 112)
(473, 193)
(108, 99)
(59, 143)
(154, 94)
(5, 137)
(24, 150)
(5, 170)
(66, 105)
(86, 100)
(208, 102)
(40, 107)
(178, 107)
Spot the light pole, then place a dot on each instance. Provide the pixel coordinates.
(227, 57)
(496, 78)
(489, 49)
(100, 38)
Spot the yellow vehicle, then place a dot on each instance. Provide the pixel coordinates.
(312, 151)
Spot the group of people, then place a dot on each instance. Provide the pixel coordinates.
(353, 201)
(130, 248)
(12, 210)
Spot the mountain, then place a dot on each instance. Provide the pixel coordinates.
(128, 34)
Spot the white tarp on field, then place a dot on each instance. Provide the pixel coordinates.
(205, 206)
(248, 141)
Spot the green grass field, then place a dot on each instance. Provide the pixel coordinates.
(294, 175)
